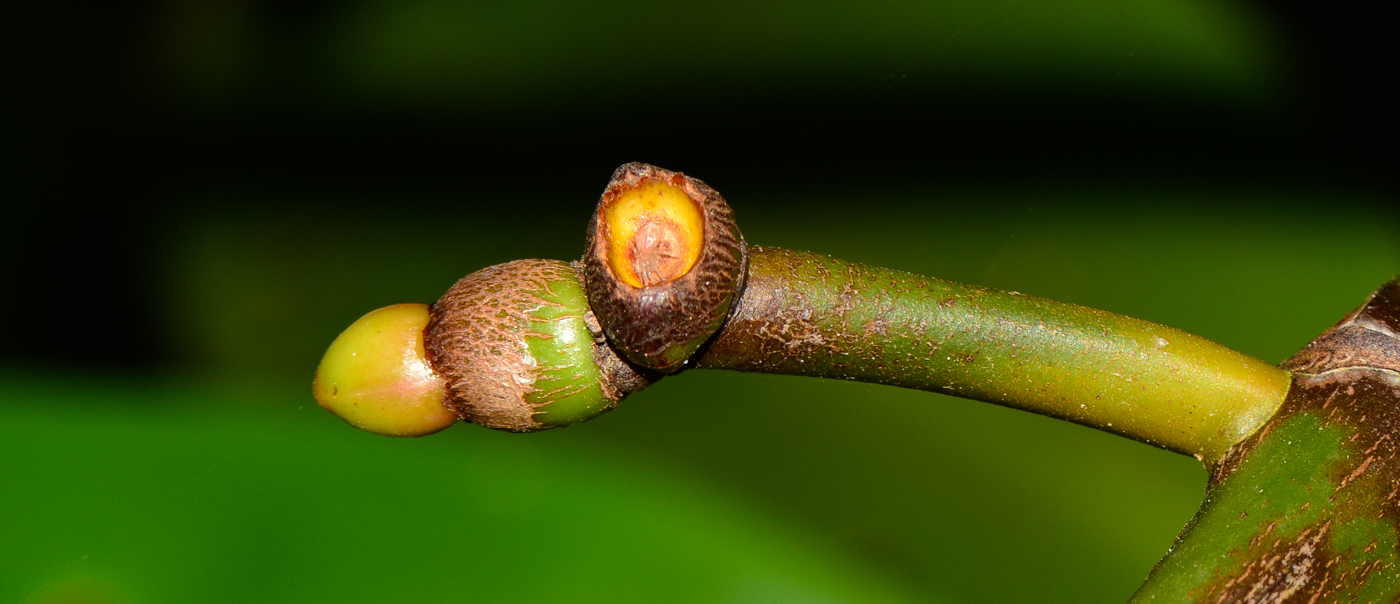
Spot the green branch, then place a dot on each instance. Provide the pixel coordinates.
(1304, 460)
(813, 315)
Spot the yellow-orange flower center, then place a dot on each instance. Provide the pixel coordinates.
(655, 234)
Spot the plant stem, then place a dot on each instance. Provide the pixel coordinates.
(1305, 509)
(813, 315)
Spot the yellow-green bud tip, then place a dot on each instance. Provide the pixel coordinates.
(376, 376)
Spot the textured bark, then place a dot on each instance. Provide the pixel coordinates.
(813, 315)
(1305, 510)
(661, 326)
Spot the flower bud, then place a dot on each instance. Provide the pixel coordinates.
(663, 264)
(375, 375)
(514, 344)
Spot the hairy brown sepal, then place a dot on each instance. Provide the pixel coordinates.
(479, 338)
(660, 326)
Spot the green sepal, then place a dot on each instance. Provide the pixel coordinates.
(566, 389)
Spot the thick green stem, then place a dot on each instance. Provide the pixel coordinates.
(813, 315)
(1305, 509)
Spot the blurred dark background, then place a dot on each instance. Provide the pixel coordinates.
(206, 192)
(122, 114)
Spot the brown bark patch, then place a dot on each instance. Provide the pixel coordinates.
(1348, 379)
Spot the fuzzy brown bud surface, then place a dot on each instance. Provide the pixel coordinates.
(514, 344)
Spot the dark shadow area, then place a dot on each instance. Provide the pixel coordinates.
(103, 140)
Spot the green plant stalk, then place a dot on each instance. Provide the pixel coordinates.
(814, 315)
(1305, 509)
(1304, 494)
(1304, 460)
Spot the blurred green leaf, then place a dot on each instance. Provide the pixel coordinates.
(550, 52)
(195, 494)
(460, 58)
